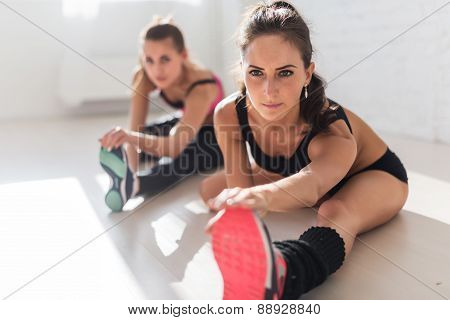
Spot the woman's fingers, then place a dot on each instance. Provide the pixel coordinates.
(120, 141)
(217, 202)
(236, 197)
(227, 198)
(220, 201)
(114, 138)
(247, 203)
(117, 139)
(239, 198)
(213, 220)
(106, 139)
(103, 139)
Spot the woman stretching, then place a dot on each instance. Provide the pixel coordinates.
(287, 146)
(188, 140)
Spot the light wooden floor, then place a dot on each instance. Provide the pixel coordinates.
(58, 239)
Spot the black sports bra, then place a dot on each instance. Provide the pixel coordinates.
(180, 104)
(280, 164)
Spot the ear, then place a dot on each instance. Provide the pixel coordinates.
(309, 72)
(184, 54)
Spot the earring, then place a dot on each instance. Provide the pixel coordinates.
(306, 91)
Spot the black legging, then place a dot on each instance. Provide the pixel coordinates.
(201, 155)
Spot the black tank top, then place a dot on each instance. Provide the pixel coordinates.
(180, 104)
(280, 164)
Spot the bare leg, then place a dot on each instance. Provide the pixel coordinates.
(367, 200)
(213, 185)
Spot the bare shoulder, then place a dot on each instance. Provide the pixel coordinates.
(225, 111)
(197, 73)
(225, 117)
(202, 94)
(203, 74)
(365, 136)
(338, 128)
(141, 83)
(206, 91)
(338, 135)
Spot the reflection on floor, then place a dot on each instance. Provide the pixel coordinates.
(58, 239)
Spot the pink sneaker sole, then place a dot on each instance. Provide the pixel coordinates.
(240, 249)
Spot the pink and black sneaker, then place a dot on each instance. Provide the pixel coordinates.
(252, 268)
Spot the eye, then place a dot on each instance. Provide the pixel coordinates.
(286, 73)
(255, 73)
(165, 59)
(148, 60)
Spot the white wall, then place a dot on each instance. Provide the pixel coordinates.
(401, 89)
(31, 61)
(27, 63)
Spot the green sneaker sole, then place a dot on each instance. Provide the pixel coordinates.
(113, 162)
(114, 200)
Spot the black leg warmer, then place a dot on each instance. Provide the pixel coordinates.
(318, 253)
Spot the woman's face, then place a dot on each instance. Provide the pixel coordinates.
(274, 75)
(162, 62)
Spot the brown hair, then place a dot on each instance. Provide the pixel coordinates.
(158, 29)
(281, 18)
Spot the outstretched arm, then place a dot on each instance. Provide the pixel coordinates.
(196, 110)
(331, 158)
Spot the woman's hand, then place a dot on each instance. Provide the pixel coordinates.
(241, 197)
(252, 198)
(115, 138)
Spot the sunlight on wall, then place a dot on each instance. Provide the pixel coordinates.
(88, 9)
